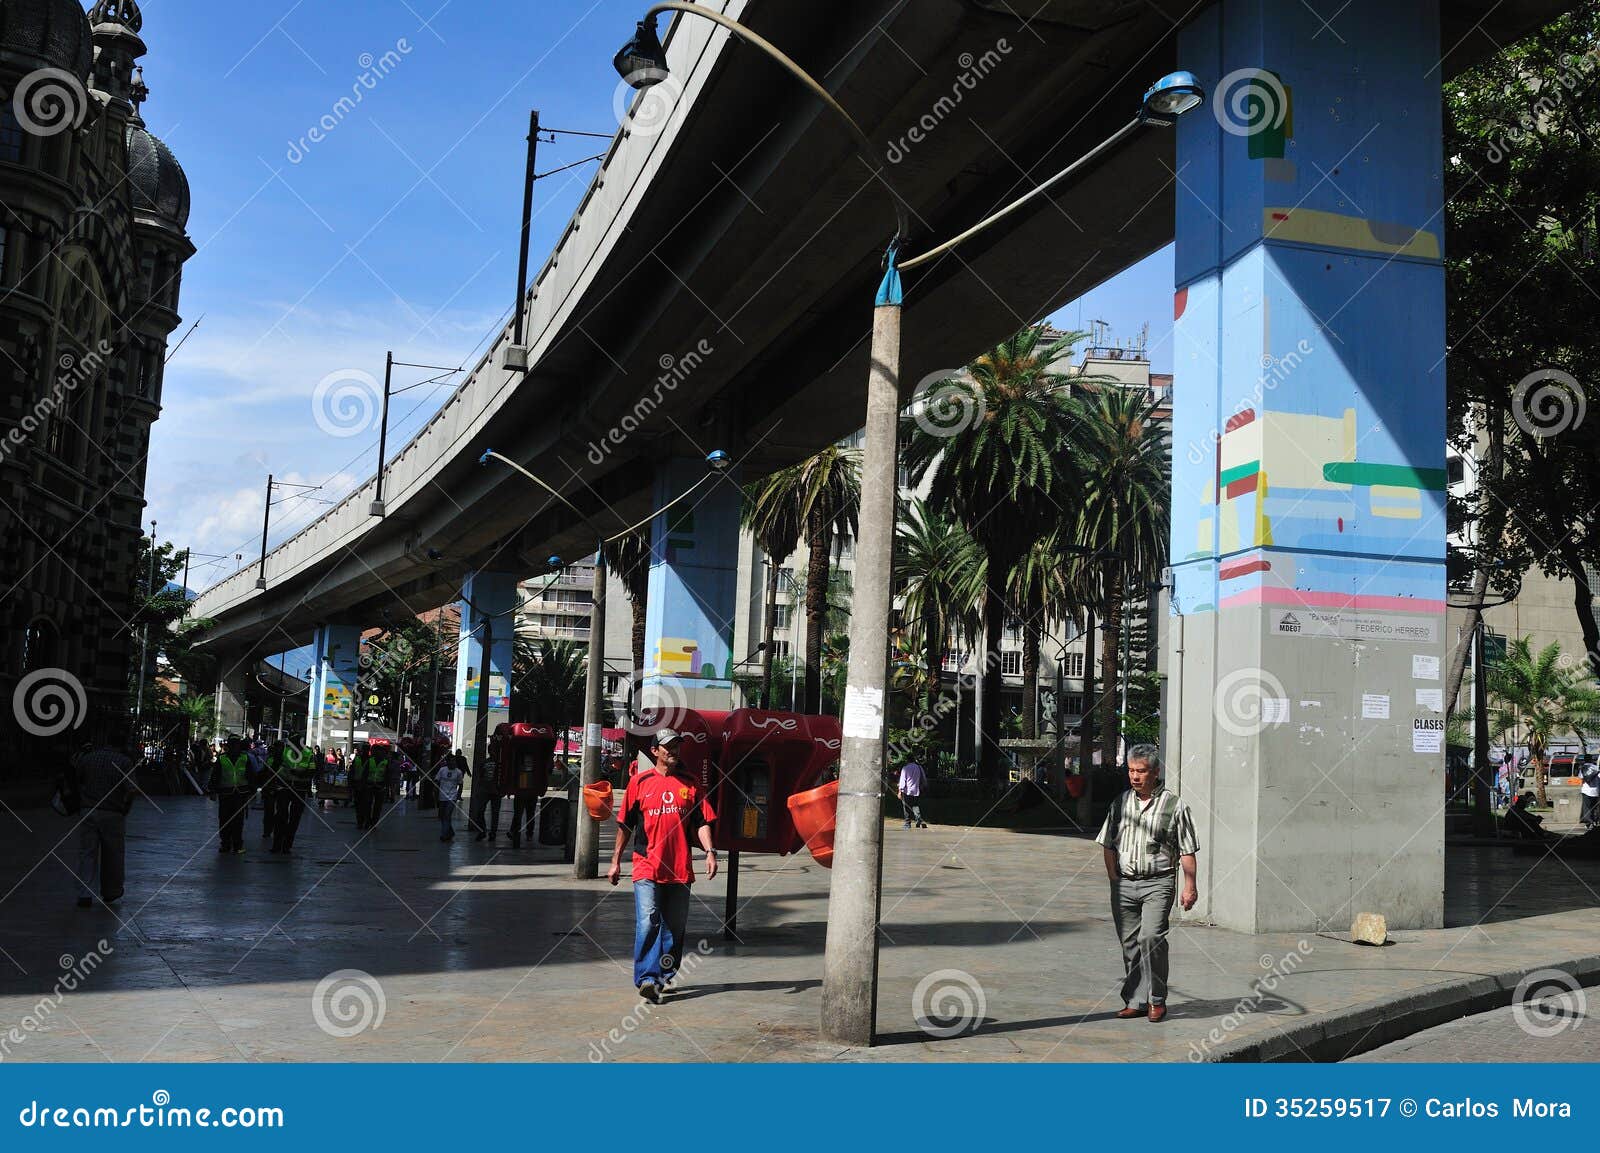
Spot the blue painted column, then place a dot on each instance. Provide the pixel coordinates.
(1304, 715)
(490, 596)
(688, 647)
(336, 652)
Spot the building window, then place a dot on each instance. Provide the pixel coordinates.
(1455, 469)
(10, 135)
(1074, 665)
(785, 612)
(1011, 663)
(780, 650)
(1073, 703)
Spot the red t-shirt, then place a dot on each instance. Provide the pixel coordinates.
(664, 810)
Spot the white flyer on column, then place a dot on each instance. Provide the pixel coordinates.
(863, 712)
(1374, 706)
(1427, 735)
(1424, 667)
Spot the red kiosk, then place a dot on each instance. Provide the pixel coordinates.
(525, 755)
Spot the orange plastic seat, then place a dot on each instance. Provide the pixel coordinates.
(597, 799)
(815, 812)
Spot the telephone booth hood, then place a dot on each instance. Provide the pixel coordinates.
(702, 738)
(765, 757)
(524, 755)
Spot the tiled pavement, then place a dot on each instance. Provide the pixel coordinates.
(485, 953)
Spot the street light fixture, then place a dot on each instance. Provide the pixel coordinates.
(586, 853)
(849, 992)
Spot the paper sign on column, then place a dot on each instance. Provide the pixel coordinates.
(1424, 667)
(863, 712)
(1431, 699)
(1375, 706)
(592, 737)
(1427, 735)
(1274, 710)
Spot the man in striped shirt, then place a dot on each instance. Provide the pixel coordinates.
(1148, 835)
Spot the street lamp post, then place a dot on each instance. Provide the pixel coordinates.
(144, 635)
(849, 991)
(586, 856)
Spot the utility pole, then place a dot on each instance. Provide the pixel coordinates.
(586, 850)
(376, 508)
(144, 636)
(850, 963)
(527, 224)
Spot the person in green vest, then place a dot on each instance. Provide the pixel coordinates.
(294, 767)
(377, 781)
(231, 788)
(360, 791)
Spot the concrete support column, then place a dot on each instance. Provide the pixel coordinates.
(334, 673)
(1304, 724)
(688, 645)
(232, 711)
(485, 612)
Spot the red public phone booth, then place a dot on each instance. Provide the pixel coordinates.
(765, 757)
(523, 757)
(702, 738)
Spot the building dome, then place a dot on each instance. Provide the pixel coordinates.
(157, 180)
(54, 32)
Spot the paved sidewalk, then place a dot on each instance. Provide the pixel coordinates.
(484, 953)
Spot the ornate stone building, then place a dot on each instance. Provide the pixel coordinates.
(93, 210)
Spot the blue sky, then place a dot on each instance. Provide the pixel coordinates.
(397, 230)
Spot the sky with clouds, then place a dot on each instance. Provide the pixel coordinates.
(329, 233)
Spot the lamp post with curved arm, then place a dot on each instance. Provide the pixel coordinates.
(849, 989)
(586, 851)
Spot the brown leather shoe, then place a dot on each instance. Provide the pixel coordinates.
(1158, 1013)
(1128, 1013)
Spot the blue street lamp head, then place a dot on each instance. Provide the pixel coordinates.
(553, 561)
(719, 461)
(642, 60)
(1170, 97)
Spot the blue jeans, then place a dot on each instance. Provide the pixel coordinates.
(661, 920)
(447, 812)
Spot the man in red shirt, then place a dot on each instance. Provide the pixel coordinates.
(662, 807)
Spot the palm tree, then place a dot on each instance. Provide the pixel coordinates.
(942, 576)
(629, 557)
(1123, 514)
(822, 494)
(549, 681)
(776, 526)
(1538, 696)
(1041, 584)
(1003, 473)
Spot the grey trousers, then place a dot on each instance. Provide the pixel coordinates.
(1141, 911)
(101, 848)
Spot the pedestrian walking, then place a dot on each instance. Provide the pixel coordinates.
(1590, 788)
(486, 801)
(448, 778)
(230, 787)
(256, 756)
(662, 809)
(296, 769)
(912, 780)
(105, 796)
(1147, 837)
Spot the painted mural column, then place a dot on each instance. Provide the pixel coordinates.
(1305, 714)
(337, 653)
(694, 556)
(485, 610)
